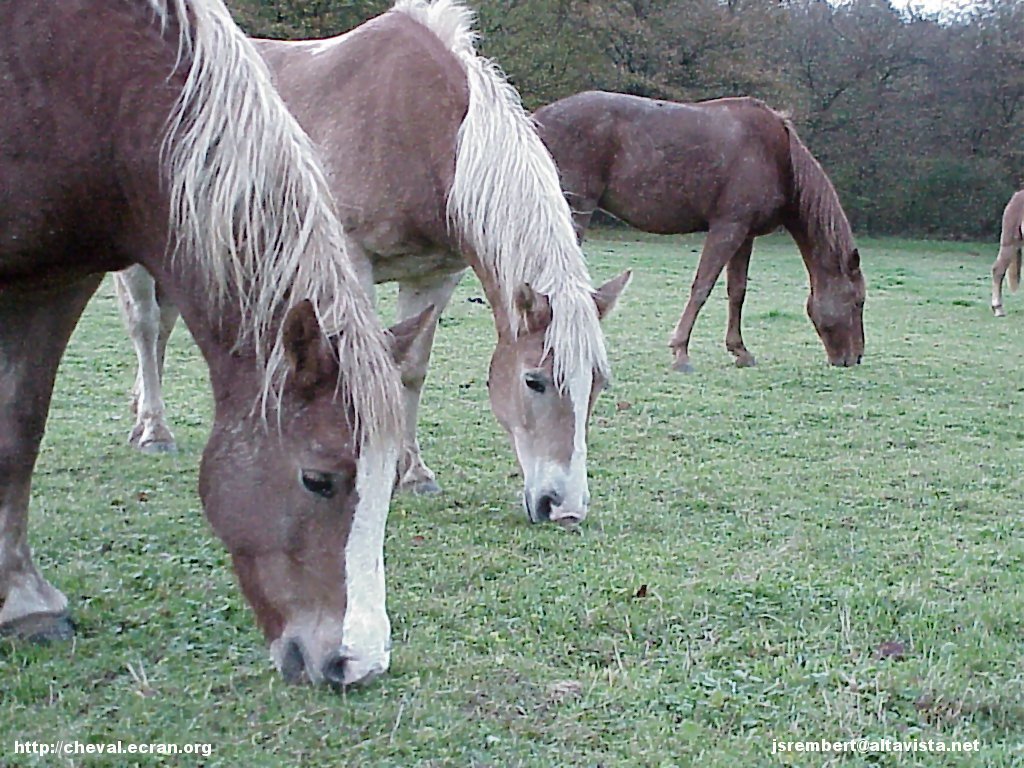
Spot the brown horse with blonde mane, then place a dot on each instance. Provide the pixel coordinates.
(731, 167)
(435, 165)
(1007, 263)
(148, 131)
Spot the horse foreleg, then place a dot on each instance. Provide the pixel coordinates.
(721, 243)
(34, 330)
(582, 208)
(169, 315)
(136, 293)
(1007, 253)
(736, 286)
(414, 297)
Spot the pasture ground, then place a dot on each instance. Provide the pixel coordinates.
(821, 553)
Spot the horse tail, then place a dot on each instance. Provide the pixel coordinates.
(817, 204)
(506, 200)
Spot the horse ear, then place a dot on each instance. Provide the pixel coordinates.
(404, 334)
(303, 341)
(854, 261)
(608, 294)
(534, 307)
(525, 298)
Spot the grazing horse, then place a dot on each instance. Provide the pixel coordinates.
(1007, 263)
(149, 131)
(731, 167)
(434, 164)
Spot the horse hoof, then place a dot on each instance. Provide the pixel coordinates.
(682, 366)
(423, 488)
(158, 446)
(40, 628)
(998, 312)
(746, 362)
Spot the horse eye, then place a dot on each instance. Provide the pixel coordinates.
(320, 483)
(536, 383)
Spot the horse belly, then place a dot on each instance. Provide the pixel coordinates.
(657, 211)
(414, 265)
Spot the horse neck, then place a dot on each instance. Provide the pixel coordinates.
(234, 372)
(821, 263)
(496, 297)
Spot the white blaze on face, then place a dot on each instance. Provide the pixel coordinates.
(576, 497)
(543, 474)
(367, 629)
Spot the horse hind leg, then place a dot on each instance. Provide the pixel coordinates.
(1005, 259)
(736, 276)
(136, 293)
(34, 330)
(720, 245)
(413, 298)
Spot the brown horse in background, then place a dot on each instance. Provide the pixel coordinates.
(1007, 263)
(731, 167)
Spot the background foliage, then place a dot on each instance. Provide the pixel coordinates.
(913, 115)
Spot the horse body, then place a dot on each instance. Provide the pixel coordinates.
(1007, 263)
(148, 131)
(365, 119)
(403, 109)
(731, 167)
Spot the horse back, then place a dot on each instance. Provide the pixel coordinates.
(672, 167)
(384, 103)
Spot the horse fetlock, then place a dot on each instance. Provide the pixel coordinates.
(416, 477)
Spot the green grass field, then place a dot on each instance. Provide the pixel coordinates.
(822, 553)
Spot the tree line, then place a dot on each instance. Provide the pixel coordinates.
(914, 116)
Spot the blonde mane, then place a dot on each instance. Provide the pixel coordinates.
(251, 206)
(507, 203)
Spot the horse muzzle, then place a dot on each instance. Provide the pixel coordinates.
(337, 669)
(552, 507)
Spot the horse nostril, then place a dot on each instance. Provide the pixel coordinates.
(334, 670)
(544, 505)
(293, 664)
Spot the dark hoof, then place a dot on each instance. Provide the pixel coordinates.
(420, 488)
(746, 362)
(158, 446)
(40, 628)
(682, 366)
(425, 488)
